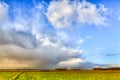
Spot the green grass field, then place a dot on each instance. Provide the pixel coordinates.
(61, 75)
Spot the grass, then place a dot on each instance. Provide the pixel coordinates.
(62, 75)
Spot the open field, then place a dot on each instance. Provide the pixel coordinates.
(62, 75)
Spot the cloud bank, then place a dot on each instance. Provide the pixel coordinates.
(32, 37)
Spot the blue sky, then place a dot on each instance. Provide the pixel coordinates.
(59, 33)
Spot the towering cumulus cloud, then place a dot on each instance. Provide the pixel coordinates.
(37, 37)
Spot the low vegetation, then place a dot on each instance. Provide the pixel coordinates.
(62, 75)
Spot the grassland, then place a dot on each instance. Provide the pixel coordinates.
(62, 75)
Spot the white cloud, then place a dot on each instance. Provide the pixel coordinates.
(3, 11)
(119, 18)
(59, 13)
(80, 41)
(65, 13)
(88, 37)
(90, 14)
(71, 63)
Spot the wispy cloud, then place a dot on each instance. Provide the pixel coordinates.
(3, 12)
(115, 54)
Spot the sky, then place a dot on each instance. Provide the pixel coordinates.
(49, 34)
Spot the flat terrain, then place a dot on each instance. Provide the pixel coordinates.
(62, 75)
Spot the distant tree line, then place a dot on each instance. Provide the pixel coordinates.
(111, 68)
